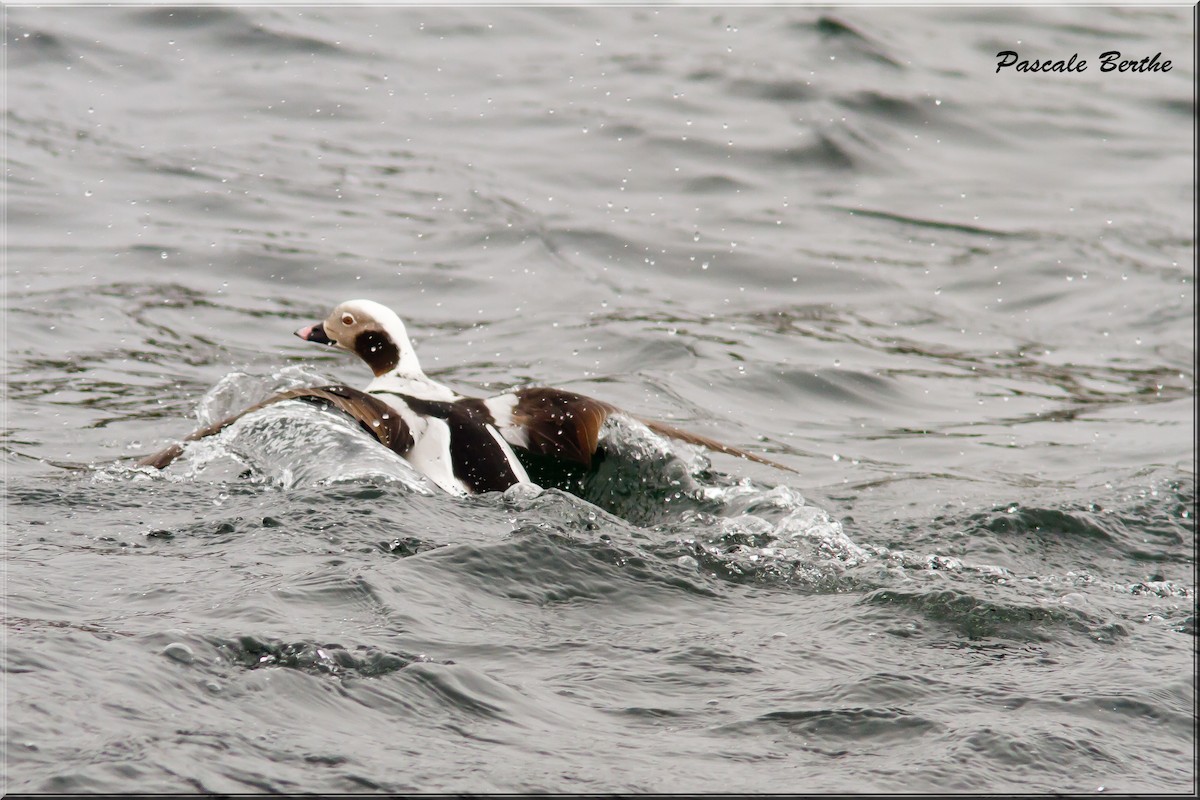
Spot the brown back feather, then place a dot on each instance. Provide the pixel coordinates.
(567, 425)
(560, 423)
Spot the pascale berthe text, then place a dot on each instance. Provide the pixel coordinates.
(1110, 61)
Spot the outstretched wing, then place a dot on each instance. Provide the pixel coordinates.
(375, 416)
(564, 424)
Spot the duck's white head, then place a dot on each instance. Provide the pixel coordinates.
(370, 330)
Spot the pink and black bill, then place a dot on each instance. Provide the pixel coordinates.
(314, 333)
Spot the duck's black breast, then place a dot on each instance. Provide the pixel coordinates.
(476, 456)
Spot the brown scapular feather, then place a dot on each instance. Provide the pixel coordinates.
(560, 423)
(567, 425)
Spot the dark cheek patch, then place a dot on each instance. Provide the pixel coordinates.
(378, 350)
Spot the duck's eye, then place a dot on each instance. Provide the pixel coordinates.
(347, 319)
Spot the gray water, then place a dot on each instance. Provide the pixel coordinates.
(959, 303)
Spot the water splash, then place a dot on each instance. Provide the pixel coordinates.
(237, 390)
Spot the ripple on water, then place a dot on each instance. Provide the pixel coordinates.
(251, 652)
(188, 184)
(837, 731)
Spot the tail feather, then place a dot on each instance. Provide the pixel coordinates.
(711, 444)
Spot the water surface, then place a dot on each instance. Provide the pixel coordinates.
(960, 304)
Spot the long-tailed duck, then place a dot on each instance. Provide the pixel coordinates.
(464, 445)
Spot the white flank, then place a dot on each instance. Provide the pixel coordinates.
(430, 453)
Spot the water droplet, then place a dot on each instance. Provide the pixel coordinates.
(180, 652)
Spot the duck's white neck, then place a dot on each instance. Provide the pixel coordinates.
(394, 332)
(408, 366)
(406, 376)
(414, 385)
